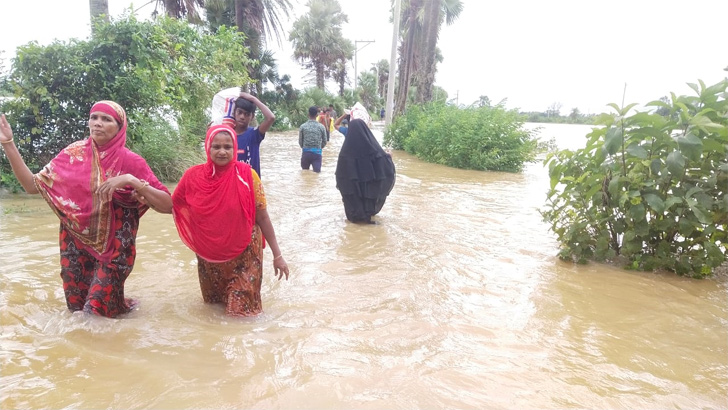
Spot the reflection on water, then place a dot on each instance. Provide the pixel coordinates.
(454, 300)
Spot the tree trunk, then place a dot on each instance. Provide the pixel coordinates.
(239, 18)
(320, 71)
(172, 8)
(342, 79)
(427, 66)
(406, 70)
(408, 56)
(98, 9)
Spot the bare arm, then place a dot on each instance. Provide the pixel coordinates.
(20, 169)
(266, 226)
(337, 123)
(268, 116)
(157, 199)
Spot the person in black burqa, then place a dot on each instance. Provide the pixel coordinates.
(365, 173)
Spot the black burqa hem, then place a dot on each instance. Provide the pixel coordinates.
(365, 174)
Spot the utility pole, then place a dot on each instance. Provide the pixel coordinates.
(356, 51)
(392, 64)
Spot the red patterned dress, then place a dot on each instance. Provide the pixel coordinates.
(94, 286)
(236, 283)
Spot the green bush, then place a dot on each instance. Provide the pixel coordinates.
(164, 153)
(290, 114)
(160, 72)
(481, 138)
(650, 189)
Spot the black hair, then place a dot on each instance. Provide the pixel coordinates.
(313, 111)
(245, 105)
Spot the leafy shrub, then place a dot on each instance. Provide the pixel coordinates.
(481, 138)
(158, 71)
(649, 188)
(165, 153)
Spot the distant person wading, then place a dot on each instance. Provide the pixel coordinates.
(312, 139)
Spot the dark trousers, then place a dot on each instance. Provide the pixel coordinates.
(309, 158)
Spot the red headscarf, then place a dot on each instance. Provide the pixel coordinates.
(214, 206)
(69, 182)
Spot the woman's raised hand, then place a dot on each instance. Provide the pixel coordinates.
(6, 132)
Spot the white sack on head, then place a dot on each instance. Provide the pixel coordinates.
(222, 104)
(358, 112)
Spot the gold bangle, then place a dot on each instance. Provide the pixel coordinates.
(144, 185)
(279, 256)
(7, 142)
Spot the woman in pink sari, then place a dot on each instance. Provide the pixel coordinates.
(99, 190)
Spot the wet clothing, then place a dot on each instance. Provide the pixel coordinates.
(249, 148)
(69, 181)
(235, 283)
(214, 210)
(312, 139)
(97, 238)
(365, 174)
(311, 158)
(94, 286)
(214, 206)
(311, 134)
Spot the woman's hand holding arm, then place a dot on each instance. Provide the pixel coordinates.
(20, 169)
(157, 199)
(266, 226)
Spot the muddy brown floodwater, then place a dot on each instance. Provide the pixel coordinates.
(454, 300)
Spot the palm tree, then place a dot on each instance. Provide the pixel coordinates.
(98, 9)
(382, 70)
(180, 8)
(257, 19)
(339, 74)
(431, 31)
(264, 71)
(367, 91)
(421, 21)
(344, 51)
(317, 40)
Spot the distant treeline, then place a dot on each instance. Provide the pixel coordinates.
(574, 118)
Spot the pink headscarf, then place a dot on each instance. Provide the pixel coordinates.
(69, 182)
(214, 206)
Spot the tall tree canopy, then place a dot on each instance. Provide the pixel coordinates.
(382, 70)
(180, 8)
(318, 42)
(257, 19)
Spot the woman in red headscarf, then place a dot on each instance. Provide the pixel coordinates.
(99, 189)
(219, 209)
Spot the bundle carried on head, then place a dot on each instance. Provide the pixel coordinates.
(223, 106)
(358, 112)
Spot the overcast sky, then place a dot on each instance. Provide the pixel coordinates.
(533, 53)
